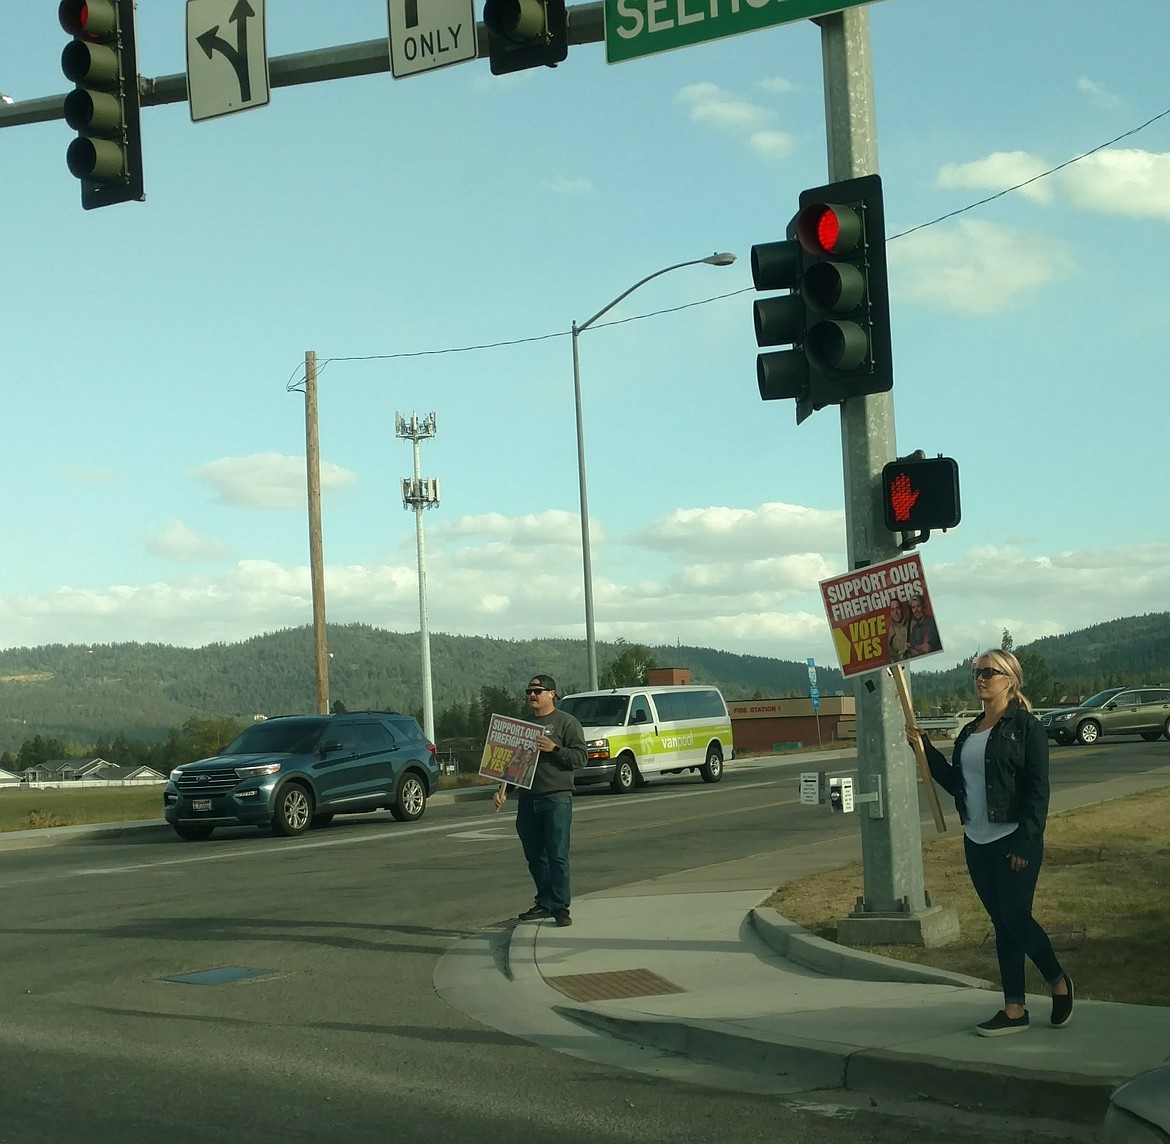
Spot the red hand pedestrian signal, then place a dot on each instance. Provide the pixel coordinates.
(902, 497)
(921, 493)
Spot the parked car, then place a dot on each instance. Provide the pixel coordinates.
(1141, 711)
(296, 771)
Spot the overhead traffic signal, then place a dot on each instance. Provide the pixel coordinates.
(525, 34)
(104, 106)
(920, 493)
(836, 315)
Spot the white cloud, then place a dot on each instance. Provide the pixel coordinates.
(1098, 94)
(770, 143)
(975, 266)
(566, 185)
(266, 480)
(771, 529)
(777, 85)
(740, 579)
(175, 541)
(997, 172)
(713, 107)
(1115, 181)
(1135, 184)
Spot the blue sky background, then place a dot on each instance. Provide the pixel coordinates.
(154, 461)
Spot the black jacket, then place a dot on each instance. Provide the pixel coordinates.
(1015, 772)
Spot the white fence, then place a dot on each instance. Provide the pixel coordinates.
(73, 784)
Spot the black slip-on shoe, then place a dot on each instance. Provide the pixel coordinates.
(1062, 1005)
(1001, 1024)
(535, 914)
(562, 918)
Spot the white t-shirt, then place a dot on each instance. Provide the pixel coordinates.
(977, 827)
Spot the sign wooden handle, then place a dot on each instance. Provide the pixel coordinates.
(923, 767)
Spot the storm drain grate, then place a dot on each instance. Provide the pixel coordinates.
(220, 976)
(613, 985)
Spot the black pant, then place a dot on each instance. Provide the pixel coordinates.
(1007, 896)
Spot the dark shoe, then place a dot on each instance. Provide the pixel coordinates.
(1001, 1024)
(562, 917)
(535, 914)
(1062, 1005)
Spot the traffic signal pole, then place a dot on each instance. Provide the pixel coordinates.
(894, 907)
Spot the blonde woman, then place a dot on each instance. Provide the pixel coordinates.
(998, 776)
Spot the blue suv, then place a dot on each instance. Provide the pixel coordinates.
(296, 771)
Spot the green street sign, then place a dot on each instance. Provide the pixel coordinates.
(636, 28)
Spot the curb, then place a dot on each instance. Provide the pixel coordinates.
(869, 1072)
(833, 960)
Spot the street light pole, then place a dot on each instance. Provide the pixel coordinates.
(723, 259)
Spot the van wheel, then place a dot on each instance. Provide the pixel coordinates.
(712, 770)
(1088, 733)
(625, 775)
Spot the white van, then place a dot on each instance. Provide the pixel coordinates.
(633, 733)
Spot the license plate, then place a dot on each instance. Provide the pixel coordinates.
(201, 804)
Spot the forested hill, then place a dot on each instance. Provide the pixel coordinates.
(79, 694)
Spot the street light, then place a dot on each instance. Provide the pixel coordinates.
(723, 259)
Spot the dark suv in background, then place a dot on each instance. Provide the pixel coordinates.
(296, 771)
(1141, 711)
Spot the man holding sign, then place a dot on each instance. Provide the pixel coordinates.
(544, 809)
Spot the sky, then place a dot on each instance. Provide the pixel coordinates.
(433, 238)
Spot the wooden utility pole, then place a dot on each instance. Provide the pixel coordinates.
(316, 559)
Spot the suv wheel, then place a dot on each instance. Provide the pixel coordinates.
(1166, 728)
(294, 811)
(411, 798)
(1088, 733)
(193, 831)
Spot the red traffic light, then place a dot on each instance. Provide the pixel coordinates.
(90, 19)
(826, 229)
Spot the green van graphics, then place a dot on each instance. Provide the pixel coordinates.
(634, 733)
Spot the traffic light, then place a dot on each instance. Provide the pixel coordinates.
(104, 106)
(921, 493)
(525, 34)
(837, 314)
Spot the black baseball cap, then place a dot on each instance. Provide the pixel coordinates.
(545, 681)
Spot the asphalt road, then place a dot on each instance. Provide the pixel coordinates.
(340, 1035)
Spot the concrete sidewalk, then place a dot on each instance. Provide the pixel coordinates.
(712, 977)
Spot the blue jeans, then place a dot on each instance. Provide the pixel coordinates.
(1007, 896)
(543, 824)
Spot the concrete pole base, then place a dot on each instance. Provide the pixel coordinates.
(929, 927)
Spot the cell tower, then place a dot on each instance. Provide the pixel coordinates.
(419, 493)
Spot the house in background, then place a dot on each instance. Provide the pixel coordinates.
(8, 780)
(88, 772)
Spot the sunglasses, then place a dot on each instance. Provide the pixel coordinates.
(987, 673)
(536, 690)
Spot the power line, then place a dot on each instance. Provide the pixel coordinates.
(293, 385)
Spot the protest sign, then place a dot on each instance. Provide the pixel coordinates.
(510, 752)
(881, 615)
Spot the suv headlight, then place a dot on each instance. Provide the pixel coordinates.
(253, 772)
(176, 774)
(1063, 718)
